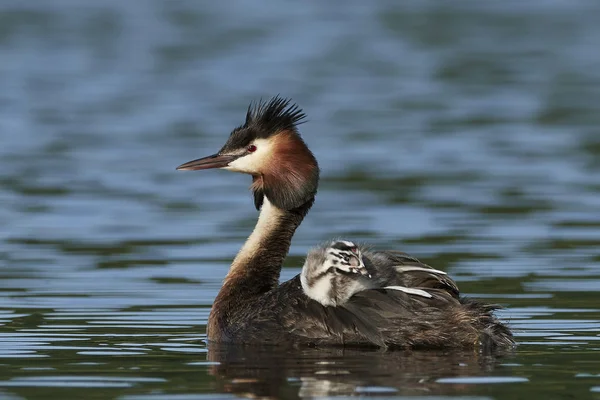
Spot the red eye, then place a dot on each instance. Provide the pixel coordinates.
(251, 148)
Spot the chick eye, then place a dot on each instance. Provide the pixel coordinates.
(251, 148)
(354, 250)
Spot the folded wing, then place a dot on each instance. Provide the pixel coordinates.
(395, 268)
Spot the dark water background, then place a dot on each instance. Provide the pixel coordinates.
(466, 133)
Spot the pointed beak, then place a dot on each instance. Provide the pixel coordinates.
(214, 161)
(359, 267)
(363, 271)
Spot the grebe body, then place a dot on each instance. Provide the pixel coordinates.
(253, 308)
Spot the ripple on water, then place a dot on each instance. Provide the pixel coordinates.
(77, 381)
(199, 396)
(482, 380)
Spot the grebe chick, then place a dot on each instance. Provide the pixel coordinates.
(334, 272)
(253, 308)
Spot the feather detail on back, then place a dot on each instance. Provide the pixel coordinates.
(395, 268)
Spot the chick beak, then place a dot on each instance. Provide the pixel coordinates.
(357, 264)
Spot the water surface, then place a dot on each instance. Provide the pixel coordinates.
(465, 134)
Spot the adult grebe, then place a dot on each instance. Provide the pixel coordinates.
(252, 308)
(334, 272)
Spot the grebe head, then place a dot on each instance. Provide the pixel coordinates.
(333, 273)
(269, 147)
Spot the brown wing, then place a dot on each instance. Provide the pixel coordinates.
(407, 320)
(381, 317)
(398, 268)
(375, 317)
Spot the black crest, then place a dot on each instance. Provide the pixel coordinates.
(275, 115)
(263, 120)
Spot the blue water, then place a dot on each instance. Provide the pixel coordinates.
(464, 133)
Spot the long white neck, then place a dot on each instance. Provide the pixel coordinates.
(256, 268)
(269, 221)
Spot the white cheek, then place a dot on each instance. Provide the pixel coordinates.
(252, 163)
(248, 164)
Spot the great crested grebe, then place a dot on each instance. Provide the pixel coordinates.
(334, 272)
(253, 308)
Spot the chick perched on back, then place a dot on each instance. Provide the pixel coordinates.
(334, 272)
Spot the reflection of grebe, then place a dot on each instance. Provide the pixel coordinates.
(334, 272)
(268, 372)
(253, 308)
